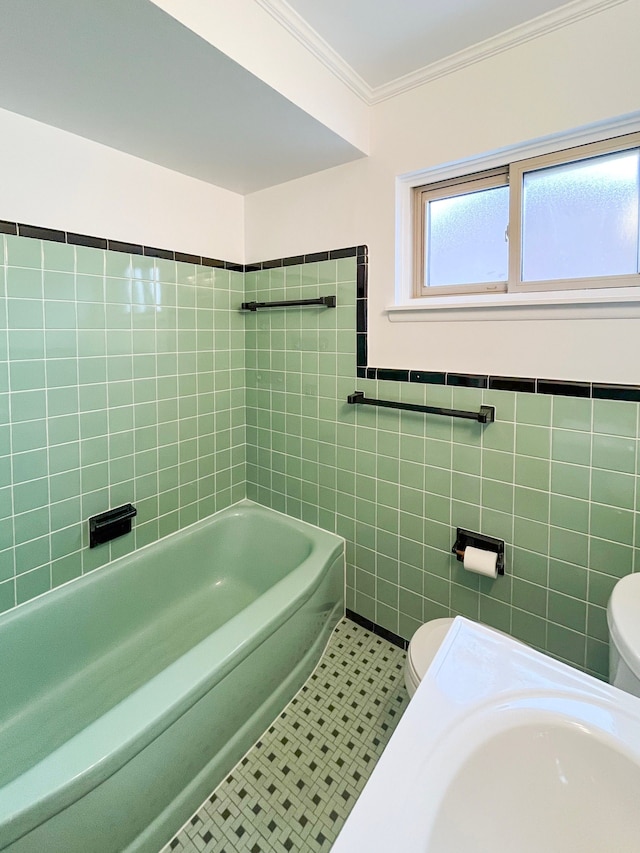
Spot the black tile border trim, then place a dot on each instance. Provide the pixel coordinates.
(18, 229)
(378, 630)
(530, 385)
(585, 390)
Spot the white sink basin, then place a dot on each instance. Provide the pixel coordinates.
(504, 749)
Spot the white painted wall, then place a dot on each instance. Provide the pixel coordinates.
(55, 179)
(249, 35)
(575, 76)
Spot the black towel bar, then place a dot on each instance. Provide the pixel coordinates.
(327, 301)
(486, 415)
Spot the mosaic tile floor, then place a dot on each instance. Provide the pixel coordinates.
(294, 789)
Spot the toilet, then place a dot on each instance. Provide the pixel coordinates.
(422, 649)
(623, 620)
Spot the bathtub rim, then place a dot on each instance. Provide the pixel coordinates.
(99, 750)
(38, 600)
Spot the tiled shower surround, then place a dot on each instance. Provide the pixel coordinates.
(128, 378)
(121, 380)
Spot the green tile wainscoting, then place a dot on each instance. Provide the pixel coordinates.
(121, 380)
(127, 378)
(555, 477)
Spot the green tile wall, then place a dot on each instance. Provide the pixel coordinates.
(555, 477)
(121, 379)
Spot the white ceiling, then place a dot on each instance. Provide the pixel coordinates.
(386, 39)
(126, 74)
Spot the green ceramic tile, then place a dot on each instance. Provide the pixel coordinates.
(611, 558)
(497, 465)
(572, 413)
(65, 569)
(60, 315)
(497, 495)
(58, 256)
(609, 487)
(531, 503)
(569, 546)
(566, 644)
(32, 583)
(600, 588)
(64, 512)
(465, 602)
(30, 465)
(500, 436)
(23, 252)
(533, 441)
(25, 314)
(30, 435)
(437, 480)
(533, 473)
(504, 403)
(25, 344)
(530, 597)
(567, 611)
(571, 480)
(571, 446)
(30, 555)
(570, 513)
(528, 628)
(24, 283)
(531, 535)
(30, 525)
(90, 261)
(437, 508)
(533, 409)
(58, 285)
(597, 623)
(615, 417)
(62, 372)
(466, 459)
(497, 524)
(597, 662)
(467, 488)
(7, 595)
(613, 453)
(612, 523)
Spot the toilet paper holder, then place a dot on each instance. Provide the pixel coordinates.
(478, 540)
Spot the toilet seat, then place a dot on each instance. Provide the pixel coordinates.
(623, 622)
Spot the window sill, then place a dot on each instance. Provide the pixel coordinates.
(613, 303)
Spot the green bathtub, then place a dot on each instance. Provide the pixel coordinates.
(127, 695)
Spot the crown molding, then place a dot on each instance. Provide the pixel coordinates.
(566, 15)
(295, 24)
(540, 26)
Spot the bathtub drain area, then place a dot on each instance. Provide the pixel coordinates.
(295, 787)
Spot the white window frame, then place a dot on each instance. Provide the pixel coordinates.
(530, 305)
(449, 189)
(517, 171)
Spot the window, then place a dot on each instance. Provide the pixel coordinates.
(562, 221)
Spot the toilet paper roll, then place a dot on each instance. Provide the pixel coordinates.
(481, 562)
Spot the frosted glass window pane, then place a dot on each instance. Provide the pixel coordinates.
(580, 220)
(466, 241)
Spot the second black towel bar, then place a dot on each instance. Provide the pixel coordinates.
(486, 415)
(327, 301)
